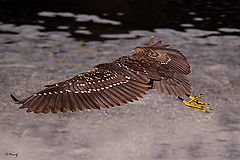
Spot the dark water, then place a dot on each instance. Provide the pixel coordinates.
(89, 20)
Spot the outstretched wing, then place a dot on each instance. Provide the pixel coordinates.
(166, 68)
(92, 90)
(171, 59)
(176, 65)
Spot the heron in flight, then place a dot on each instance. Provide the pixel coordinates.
(152, 67)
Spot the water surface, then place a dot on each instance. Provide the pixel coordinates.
(43, 43)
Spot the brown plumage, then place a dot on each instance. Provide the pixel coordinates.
(106, 85)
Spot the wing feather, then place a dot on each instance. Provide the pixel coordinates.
(35, 107)
(91, 90)
(177, 85)
(27, 103)
(72, 102)
(99, 100)
(80, 101)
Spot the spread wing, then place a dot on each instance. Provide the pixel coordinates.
(170, 58)
(92, 90)
(173, 60)
(167, 70)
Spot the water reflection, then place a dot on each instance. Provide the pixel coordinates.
(92, 27)
(122, 17)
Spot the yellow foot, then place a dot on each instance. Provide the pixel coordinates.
(196, 104)
(194, 99)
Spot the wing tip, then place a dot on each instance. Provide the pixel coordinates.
(15, 99)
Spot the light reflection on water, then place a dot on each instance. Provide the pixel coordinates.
(82, 30)
(99, 27)
(83, 19)
(94, 19)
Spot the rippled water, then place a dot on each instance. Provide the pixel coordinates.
(41, 46)
(91, 20)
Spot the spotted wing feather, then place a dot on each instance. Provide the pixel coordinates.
(132, 68)
(91, 90)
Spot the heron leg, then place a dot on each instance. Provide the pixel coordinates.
(195, 99)
(195, 103)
